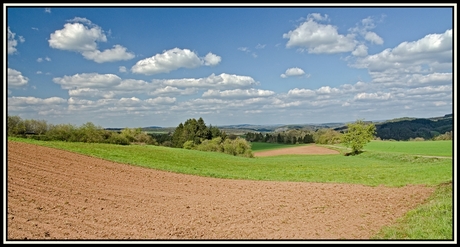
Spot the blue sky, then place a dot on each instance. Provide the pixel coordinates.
(125, 66)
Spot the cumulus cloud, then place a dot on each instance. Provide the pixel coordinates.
(318, 17)
(172, 60)
(77, 37)
(360, 51)
(117, 53)
(293, 72)
(24, 101)
(363, 28)
(161, 100)
(87, 80)
(82, 36)
(327, 90)
(237, 93)
(222, 81)
(429, 90)
(211, 59)
(412, 63)
(316, 37)
(16, 79)
(12, 42)
(90, 93)
(169, 90)
(373, 96)
(122, 69)
(434, 78)
(296, 92)
(319, 38)
(373, 38)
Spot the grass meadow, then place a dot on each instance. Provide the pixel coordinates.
(387, 163)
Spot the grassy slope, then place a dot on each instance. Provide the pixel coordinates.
(369, 168)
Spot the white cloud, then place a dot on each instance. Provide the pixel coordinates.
(319, 38)
(373, 38)
(117, 53)
(211, 59)
(90, 93)
(84, 39)
(77, 37)
(222, 81)
(122, 69)
(237, 93)
(433, 48)
(47, 10)
(412, 64)
(363, 30)
(16, 79)
(373, 96)
(87, 80)
(133, 101)
(296, 92)
(318, 17)
(168, 90)
(327, 90)
(293, 72)
(434, 78)
(172, 60)
(12, 42)
(360, 51)
(24, 101)
(430, 90)
(41, 59)
(161, 101)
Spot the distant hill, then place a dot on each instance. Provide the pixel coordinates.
(399, 129)
(407, 128)
(403, 128)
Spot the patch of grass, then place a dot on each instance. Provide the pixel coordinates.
(430, 221)
(429, 148)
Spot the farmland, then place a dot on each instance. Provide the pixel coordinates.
(291, 189)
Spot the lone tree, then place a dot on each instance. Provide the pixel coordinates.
(358, 134)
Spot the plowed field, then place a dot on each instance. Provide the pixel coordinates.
(58, 195)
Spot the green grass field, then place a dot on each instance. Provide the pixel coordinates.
(382, 163)
(429, 148)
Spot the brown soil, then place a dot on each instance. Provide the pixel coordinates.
(59, 195)
(310, 149)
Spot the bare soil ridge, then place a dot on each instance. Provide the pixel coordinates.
(310, 149)
(58, 195)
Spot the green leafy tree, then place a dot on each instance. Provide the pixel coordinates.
(357, 135)
(178, 138)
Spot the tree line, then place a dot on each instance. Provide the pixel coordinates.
(88, 132)
(193, 134)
